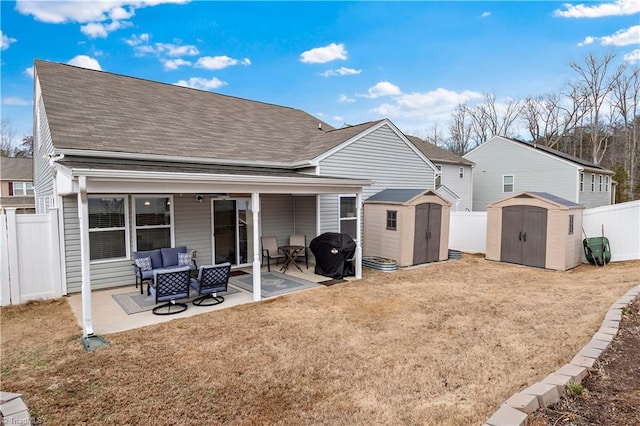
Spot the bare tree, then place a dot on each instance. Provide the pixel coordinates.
(25, 150)
(490, 119)
(460, 131)
(595, 84)
(625, 96)
(7, 135)
(434, 136)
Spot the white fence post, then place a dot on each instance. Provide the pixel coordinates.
(5, 285)
(14, 266)
(54, 248)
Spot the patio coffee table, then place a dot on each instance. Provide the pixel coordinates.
(291, 253)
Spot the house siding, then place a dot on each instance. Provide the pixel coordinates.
(192, 226)
(532, 171)
(595, 198)
(380, 156)
(461, 186)
(43, 145)
(277, 216)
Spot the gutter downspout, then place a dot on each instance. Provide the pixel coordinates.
(83, 217)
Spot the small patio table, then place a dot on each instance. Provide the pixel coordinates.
(291, 253)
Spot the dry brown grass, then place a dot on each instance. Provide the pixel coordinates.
(444, 344)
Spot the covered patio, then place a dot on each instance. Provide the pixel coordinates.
(110, 317)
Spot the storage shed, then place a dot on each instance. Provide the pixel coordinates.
(535, 229)
(410, 226)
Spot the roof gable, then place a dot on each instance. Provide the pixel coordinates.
(437, 154)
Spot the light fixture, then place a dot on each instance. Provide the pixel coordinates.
(199, 198)
(147, 203)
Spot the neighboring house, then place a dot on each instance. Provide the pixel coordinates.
(504, 167)
(133, 164)
(455, 181)
(16, 184)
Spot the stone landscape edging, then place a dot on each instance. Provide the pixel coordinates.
(516, 410)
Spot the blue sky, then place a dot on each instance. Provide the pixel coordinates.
(344, 62)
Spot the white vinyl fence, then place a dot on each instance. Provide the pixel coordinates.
(29, 257)
(621, 223)
(30, 246)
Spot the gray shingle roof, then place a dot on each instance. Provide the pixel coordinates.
(437, 154)
(16, 169)
(555, 199)
(395, 195)
(563, 155)
(101, 111)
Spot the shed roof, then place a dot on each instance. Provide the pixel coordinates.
(100, 111)
(553, 199)
(395, 195)
(16, 169)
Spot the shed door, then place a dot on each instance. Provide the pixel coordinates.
(426, 241)
(524, 235)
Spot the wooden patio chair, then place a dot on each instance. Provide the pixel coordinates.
(270, 251)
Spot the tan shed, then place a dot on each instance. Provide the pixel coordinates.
(410, 226)
(535, 229)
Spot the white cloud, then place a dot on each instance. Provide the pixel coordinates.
(63, 11)
(588, 40)
(436, 105)
(485, 14)
(98, 29)
(6, 40)
(321, 55)
(624, 37)
(94, 14)
(174, 64)
(29, 71)
(632, 57)
(13, 101)
(343, 99)
(616, 8)
(383, 88)
(85, 61)
(176, 50)
(137, 40)
(220, 62)
(340, 71)
(201, 83)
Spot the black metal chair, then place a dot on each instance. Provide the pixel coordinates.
(212, 279)
(170, 286)
(270, 251)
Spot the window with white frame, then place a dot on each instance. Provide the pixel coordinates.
(348, 219)
(21, 189)
(153, 224)
(507, 183)
(606, 184)
(439, 175)
(593, 182)
(108, 227)
(600, 179)
(581, 182)
(461, 172)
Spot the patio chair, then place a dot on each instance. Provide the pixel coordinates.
(300, 240)
(169, 286)
(270, 251)
(212, 279)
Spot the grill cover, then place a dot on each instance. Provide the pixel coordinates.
(332, 250)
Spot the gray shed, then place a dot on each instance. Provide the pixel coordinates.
(535, 229)
(408, 225)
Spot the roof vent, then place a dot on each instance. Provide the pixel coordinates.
(319, 126)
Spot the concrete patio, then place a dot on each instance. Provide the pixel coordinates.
(108, 317)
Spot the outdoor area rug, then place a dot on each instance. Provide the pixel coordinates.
(273, 283)
(134, 302)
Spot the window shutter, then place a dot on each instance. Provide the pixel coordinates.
(10, 188)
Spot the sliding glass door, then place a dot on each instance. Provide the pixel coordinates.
(232, 231)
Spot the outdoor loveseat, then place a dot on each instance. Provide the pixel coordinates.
(160, 260)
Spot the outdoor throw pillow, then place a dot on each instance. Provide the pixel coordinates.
(184, 259)
(144, 263)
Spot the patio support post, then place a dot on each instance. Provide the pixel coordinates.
(359, 235)
(83, 217)
(255, 208)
